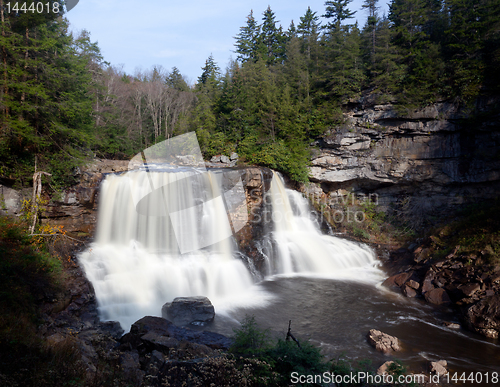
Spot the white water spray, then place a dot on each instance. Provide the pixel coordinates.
(301, 248)
(139, 260)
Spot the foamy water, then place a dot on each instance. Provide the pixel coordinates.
(144, 256)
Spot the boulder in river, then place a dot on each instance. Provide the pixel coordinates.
(183, 311)
(383, 342)
(439, 367)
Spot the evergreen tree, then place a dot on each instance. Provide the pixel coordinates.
(466, 33)
(370, 29)
(409, 18)
(296, 71)
(271, 39)
(47, 105)
(337, 11)
(342, 74)
(422, 58)
(387, 71)
(292, 31)
(247, 40)
(436, 20)
(211, 73)
(204, 117)
(176, 80)
(308, 31)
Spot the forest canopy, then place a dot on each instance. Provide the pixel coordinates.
(61, 103)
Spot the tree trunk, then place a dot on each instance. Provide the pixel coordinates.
(4, 57)
(37, 191)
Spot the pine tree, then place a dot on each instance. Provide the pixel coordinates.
(47, 104)
(342, 73)
(387, 71)
(409, 18)
(271, 39)
(176, 80)
(337, 11)
(422, 58)
(292, 31)
(211, 73)
(308, 31)
(247, 40)
(465, 35)
(204, 116)
(370, 28)
(296, 71)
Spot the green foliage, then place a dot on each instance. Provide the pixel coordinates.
(246, 40)
(284, 357)
(250, 340)
(24, 275)
(31, 276)
(477, 232)
(276, 155)
(61, 103)
(214, 144)
(46, 105)
(271, 41)
(288, 357)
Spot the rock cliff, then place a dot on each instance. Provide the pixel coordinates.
(435, 158)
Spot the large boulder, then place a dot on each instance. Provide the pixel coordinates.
(437, 296)
(156, 333)
(183, 311)
(484, 317)
(383, 342)
(397, 280)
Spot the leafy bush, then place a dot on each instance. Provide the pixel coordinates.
(290, 158)
(214, 144)
(250, 340)
(284, 357)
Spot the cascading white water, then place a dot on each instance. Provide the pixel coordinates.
(145, 255)
(135, 263)
(300, 247)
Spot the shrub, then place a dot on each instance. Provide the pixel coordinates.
(284, 357)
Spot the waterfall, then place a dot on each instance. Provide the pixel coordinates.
(298, 246)
(153, 245)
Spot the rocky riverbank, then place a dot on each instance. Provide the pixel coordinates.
(455, 280)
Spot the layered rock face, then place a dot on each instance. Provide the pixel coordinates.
(76, 208)
(434, 157)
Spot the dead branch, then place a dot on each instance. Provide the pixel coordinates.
(289, 334)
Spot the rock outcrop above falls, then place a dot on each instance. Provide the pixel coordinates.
(76, 207)
(435, 155)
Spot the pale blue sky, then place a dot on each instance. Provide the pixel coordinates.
(141, 34)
